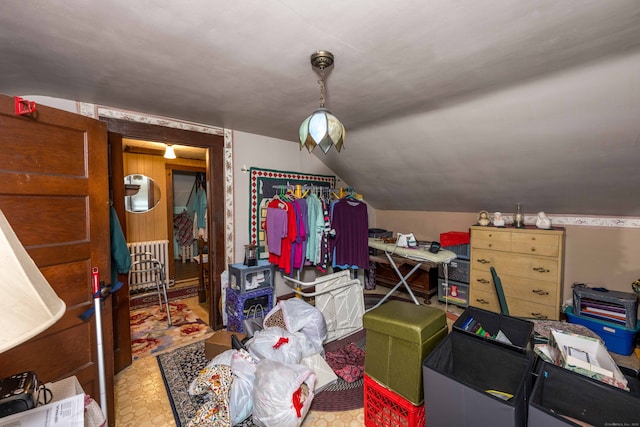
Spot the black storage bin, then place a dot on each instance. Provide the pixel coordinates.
(457, 375)
(559, 392)
(518, 331)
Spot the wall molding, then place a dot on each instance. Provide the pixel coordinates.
(585, 221)
(96, 111)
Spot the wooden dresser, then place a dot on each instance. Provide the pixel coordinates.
(529, 263)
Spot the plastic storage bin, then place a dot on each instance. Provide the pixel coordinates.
(518, 331)
(457, 242)
(592, 302)
(457, 270)
(399, 335)
(383, 407)
(455, 293)
(458, 375)
(560, 393)
(616, 338)
(243, 278)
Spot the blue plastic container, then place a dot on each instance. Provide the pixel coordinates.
(616, 338)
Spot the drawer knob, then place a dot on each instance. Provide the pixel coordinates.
(539, 316)
(540, 269)
(490, 245)
(484, 281)
(533, 249)
(482, 301)
(483, 261)
(533, 238)
(540, 292)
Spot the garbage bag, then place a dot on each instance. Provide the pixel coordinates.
(243, 367)
(300, 316)
(202, 383)
(281, 345)
(282, 394)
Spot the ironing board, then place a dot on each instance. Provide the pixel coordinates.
(418, 254)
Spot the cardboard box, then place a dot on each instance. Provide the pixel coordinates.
(585, 355)
(220, 341)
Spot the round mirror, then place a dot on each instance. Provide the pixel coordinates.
(141, 193)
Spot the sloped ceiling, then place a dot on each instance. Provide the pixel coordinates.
(449, 105)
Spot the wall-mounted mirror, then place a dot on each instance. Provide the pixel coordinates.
(141, 193)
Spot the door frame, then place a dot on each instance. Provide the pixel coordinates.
(170, 169)
(214, 161)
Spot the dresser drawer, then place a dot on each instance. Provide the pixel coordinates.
(538, 268)
(486, 300)
(517, 307)
(491, 239)
(536, 244)
(536, 291)
(522, 308)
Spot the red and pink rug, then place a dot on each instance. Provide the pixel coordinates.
(150, 334)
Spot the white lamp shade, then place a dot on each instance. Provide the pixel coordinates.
(28, 304)
(321, 128)
(169, 152)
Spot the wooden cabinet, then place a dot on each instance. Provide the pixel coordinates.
(422, 282)
(529, 263)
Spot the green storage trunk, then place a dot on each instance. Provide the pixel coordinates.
(399, 335)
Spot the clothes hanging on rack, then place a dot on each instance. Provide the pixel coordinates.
(313, 231)
(350, 221)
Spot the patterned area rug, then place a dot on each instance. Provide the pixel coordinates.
(150, 334)
(172, 294)
(179, 368)
(182, 365)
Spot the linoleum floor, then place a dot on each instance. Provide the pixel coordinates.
(141, 399)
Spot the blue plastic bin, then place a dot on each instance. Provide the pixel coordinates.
(616, 338)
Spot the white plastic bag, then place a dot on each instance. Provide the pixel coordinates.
(300, 316)
(199, 384)
(282, 394)
(278, 344)
(240, 402)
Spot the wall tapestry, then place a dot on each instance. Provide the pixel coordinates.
(264, 184)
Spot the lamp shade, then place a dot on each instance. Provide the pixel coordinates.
(321, 128)
(28, 304)
(169, 152)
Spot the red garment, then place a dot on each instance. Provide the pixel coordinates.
(283, 261)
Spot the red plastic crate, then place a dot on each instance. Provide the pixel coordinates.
(384, 408)
(453, 238)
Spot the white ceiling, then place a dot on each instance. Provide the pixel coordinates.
(448, 105)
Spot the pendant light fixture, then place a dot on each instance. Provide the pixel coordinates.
(321, 128)
(169, 153)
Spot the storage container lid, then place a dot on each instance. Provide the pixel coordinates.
(405, 320)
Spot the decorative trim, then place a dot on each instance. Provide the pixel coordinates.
(603, 221)
(96, 111)
(228, 195)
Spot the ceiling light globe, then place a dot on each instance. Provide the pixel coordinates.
(169, 153)
(322, 128)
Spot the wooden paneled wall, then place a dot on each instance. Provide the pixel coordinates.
(151, 225)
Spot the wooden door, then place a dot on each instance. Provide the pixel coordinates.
(54, 193)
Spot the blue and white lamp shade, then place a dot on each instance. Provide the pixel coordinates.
(321, 128)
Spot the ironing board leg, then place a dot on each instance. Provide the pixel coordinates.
(403, 281)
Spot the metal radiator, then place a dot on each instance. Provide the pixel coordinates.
(160, 250)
